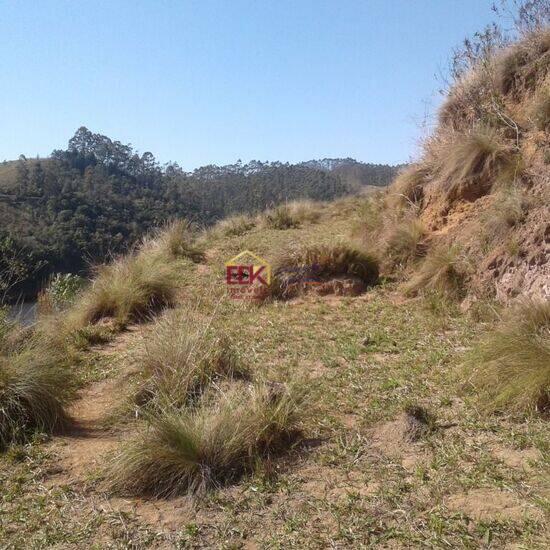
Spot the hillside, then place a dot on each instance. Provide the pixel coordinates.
(370, 371)
(478, 201)
(99, 197)
(386, 447)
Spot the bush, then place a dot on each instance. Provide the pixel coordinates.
(35, 385)
(63, 289)
(510, 367)
(181, 356)
(443, 270)
(322, 262)
(191, 450)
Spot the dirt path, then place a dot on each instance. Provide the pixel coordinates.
(81, 451)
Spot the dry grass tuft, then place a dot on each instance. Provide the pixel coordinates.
(443, 271)
(321, 262)
(471, 163)
(509, 209)
(183, 354)
(176, 240)
(510, 366)
(235, 226)
(408, 188)
(540, 109)
(35, 385)
(191, 450)
(281, 217)
(520, 67)
(128, 289)
(306, 211)
(401, 242)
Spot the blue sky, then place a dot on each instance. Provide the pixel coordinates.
(207, 81)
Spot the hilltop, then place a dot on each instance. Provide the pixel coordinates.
(366, 435)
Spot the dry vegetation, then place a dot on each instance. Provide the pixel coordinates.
(184, 353)
(510, 367)
(192, 449)
(147, 280)
(481, 184)
(245, 454)
(302, 265)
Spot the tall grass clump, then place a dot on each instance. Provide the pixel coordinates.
(401, 242)
(280, 217)
(129, 289)
(540, 109)
(321, 262)
(5, 327)
(35, 386)
(306, 211)
(472, 162)
(510, 367)
(235, 226)
(370, 216)
(176, 240)
(509, 209)
(443, 270)
(187, 451)
(144, 281)
(519, 68)
(181, 356)
(408, 188)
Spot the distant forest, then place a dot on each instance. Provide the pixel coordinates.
(97, 197)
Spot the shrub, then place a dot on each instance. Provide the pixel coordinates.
(443, 270)
(190, 450)
(183, 353)
(510, 367)
(280, 217)
(322, 262)
(63, 289)
(35, 386)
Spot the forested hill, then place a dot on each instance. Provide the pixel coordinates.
(98, 196)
